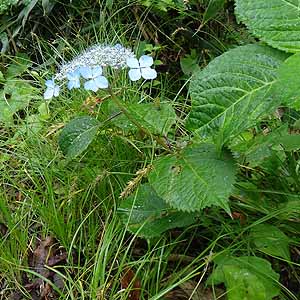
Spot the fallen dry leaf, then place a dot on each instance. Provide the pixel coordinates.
(129, 280)
(45, 254)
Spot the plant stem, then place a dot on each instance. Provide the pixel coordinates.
(123, 108)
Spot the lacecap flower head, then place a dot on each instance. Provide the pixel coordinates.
(89, 65)
(97, 55)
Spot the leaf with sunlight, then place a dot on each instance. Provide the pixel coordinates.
(77, 135)
(246, 277)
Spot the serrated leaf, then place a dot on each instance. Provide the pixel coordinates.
(276, 22)
(247, 278)
(77, 135)
(271, 240)
(289, 81)
(233, 91)
(15, 96)
(197, 177)
(149, 216)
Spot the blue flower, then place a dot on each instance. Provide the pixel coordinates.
(96, 80)
(74, 79)
(52, 89)
(141, 68)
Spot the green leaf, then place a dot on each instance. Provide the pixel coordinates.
(212, 10)
(276, 22)
(289, 210)
(233, 91)
(15, 96)
(20, 64)
(190, 63)
(197, 177)
(149, 216)
(290, 142)
(247, 278)
(263, 149)
(271, 240)
(289, 81)
(77, 135)
(158, 119)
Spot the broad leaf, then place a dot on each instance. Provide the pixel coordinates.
(148, 215)
(77, 135)
(233, 91)
(247, 278)
(271, 240)
(276, 22)
(289, 81)
(197, 177)
(15, 96)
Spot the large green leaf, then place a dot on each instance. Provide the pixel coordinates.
(277, 22)
(247, 278)
(233, 91)
(271, 240)
(77, 135)
(148, 215)
(197, 177)
(289, 81)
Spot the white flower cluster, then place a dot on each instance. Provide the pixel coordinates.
(89, 66)
(97, 55)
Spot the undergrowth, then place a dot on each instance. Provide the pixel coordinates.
(65, 231)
